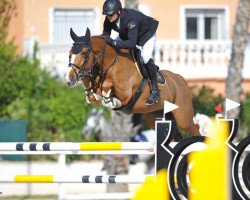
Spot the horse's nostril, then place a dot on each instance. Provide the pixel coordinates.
(68, 82)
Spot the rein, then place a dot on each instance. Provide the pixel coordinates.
(90, 73)
(83, 73)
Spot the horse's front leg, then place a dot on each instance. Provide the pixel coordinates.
(91, 96)
(108, 100)
(94, 98)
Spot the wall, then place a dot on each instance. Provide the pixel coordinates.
(33, 15)
(168, 13)
(16, 26)
(37, 23)
(218, 84)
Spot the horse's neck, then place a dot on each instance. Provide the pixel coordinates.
(117, 65)
(97, 44)
(109, 53)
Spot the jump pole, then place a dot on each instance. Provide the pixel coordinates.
(74, 146)
(112, 179)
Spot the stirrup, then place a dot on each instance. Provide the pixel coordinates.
(160, 78)
(153, 98)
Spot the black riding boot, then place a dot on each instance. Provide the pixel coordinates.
(155, 92)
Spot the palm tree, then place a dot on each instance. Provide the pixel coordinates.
(132, 4)
(121, 131)
(234, 78)
(7, 9)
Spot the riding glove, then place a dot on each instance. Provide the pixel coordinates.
(110, 41)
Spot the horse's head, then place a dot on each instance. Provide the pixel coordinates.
(81, 58)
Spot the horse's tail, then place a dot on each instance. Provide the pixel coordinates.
(189, 126)
(177, 136)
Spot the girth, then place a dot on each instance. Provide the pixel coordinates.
(128, 108)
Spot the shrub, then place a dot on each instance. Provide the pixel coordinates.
(204, 100)
(245, 114)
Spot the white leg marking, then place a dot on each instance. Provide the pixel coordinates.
(110, 102)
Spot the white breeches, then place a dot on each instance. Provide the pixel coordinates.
(147, 49)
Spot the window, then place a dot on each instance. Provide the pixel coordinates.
(208, 24)
(192, 28)
(78, 19)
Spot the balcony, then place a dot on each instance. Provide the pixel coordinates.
(191, 59)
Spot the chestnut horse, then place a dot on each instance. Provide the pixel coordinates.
(111, 78)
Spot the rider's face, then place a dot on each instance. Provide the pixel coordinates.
(114, 16)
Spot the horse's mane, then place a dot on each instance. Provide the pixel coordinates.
(119, 51)
(98, 36)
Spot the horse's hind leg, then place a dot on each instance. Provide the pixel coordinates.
(151, 117)
(150, 121)
(184, 118)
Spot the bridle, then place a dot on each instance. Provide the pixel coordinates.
(81, 74)
(91, 73)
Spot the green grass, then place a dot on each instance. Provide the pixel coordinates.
(35, 197)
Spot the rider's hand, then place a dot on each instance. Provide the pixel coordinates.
(109, 40)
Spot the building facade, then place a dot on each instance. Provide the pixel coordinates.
(194, 36)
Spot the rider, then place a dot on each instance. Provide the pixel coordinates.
(135, 30)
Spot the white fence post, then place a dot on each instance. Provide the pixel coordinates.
(61, 165)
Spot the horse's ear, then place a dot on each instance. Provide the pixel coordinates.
(73, 35)
(87, 34)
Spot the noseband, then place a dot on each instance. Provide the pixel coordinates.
(81, 74)
(91, 73)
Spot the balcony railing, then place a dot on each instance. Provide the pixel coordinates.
(192, 59)
(193, 53)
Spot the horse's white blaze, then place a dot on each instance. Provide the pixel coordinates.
(67, 79)
(73, 57)
(72, 60)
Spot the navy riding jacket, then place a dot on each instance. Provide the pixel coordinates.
(135, 28)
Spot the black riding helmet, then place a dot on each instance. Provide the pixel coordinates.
(111, 6)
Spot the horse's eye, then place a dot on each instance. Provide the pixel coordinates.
(84, 52)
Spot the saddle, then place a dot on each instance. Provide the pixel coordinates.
(140, 63)
(145, 77)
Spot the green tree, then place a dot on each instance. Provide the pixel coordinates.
(204, 100)
(53, 111)
(245, 116)
(7, 8)
(122, 123)
(7, 54)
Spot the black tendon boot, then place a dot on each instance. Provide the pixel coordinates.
(155, 92)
